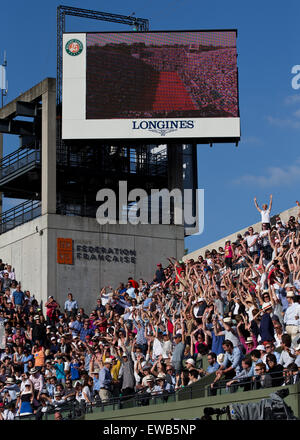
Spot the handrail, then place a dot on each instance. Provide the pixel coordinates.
(19, 214)
(77, 409)
(15, 156)
(18, 160)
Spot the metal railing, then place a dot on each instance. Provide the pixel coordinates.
(75, 409)
(150, 164)
(18, 160)
(19, 214)
(243, 384)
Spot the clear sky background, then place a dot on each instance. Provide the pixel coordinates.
(267, 159)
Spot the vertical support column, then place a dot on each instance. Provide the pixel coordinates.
(190, 182)
(175, 180)
(175, 171)
(49, 149)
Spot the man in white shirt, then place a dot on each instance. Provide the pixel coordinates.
(265, 211)
(131, 290)
(292, 315)
(251, 240)
(229, 332)
(287, 355)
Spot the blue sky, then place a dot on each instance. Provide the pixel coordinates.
(267, 159)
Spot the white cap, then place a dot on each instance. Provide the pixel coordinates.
(190, 361)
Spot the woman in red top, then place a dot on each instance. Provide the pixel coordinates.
(228, 254)
(52, 307)
(180, 271)
(101, 323)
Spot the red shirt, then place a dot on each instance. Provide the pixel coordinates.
(170, 327)
(134, 283)
(179, 271)
(228, 251)
(103, 326)
(272, 275)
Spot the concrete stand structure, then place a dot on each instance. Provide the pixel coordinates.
(52, 249)
(55, 254)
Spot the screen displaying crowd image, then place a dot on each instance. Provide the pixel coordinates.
(161, 75)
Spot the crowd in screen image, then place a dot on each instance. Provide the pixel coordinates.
(210, 77)
(232, 314)
(158, 82)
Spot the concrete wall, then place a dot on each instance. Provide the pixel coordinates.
(192, 408)
(32, 250)
(26, 251)
(256, 226)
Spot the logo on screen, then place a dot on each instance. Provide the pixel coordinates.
(162, 127)
(74, 47)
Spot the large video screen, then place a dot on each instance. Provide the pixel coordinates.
(151, 85)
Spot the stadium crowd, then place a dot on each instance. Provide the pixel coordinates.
(237, 306)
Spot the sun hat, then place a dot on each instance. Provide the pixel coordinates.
(227, 320)
(266, 306)
(149, 378)
(161, 376)
(290, 295)
(10, 380)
